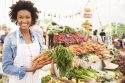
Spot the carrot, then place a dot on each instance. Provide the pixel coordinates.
(44, 61)
(38, 56)
(43, 64)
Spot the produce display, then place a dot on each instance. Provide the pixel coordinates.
(121, 62)
(100, 50)
(68, 39)
(88, 15)
(84, 74)
(87, 25)
(49, 79)
(65, 35)
(87, 20)
(46, 79)
(87, 9)
(75, 63)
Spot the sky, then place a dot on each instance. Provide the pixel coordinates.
(103, 11)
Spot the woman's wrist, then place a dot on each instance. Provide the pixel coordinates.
(30, 69)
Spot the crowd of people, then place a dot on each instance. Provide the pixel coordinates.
(99, 36)
(117, 41)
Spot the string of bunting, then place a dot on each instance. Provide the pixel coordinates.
(54, 15)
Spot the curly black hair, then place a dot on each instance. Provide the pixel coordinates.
(23, 5)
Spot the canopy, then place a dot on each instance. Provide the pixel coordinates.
(70, 12)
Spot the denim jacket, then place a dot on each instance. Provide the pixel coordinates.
(9, 53)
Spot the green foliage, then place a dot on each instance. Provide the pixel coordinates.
(81, 31)
(46, 79)
(69, 29)
(47, 21)
(57, 28)
(63, 58)
(86, 74)
(120, 28)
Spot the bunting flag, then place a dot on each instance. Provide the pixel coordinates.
(54, 15)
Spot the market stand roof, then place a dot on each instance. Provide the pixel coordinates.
(104, 11)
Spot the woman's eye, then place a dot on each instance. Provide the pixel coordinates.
(20, 17)
(27, 17)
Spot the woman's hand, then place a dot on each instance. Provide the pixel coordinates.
(39, 66)
(32, 69)
(36, 64)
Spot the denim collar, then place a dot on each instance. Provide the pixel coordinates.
(31, 33)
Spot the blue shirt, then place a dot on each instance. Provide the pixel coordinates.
(9, 53)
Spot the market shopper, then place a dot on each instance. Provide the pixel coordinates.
(95, 32)
(39, 29)
(21, 46)
(103, 35)
(123, 40)
(123, 35)
(3, 36)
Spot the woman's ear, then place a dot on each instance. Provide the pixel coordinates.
(32, 23)
(16, 22)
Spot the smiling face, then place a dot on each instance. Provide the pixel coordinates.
(24, 19)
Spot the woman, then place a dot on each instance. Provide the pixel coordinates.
(21, 46)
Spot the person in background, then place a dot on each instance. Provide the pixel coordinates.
(23, 45)
(95, 36)
(117, 43)
(123, 40)
(123, 43)
(95, 32)
(2, 37)
(123, 35)
(39, 29)
(103, 35)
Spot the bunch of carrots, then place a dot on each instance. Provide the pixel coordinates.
(43, 58)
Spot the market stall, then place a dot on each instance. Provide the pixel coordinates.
(82, 61)
(77, 57)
